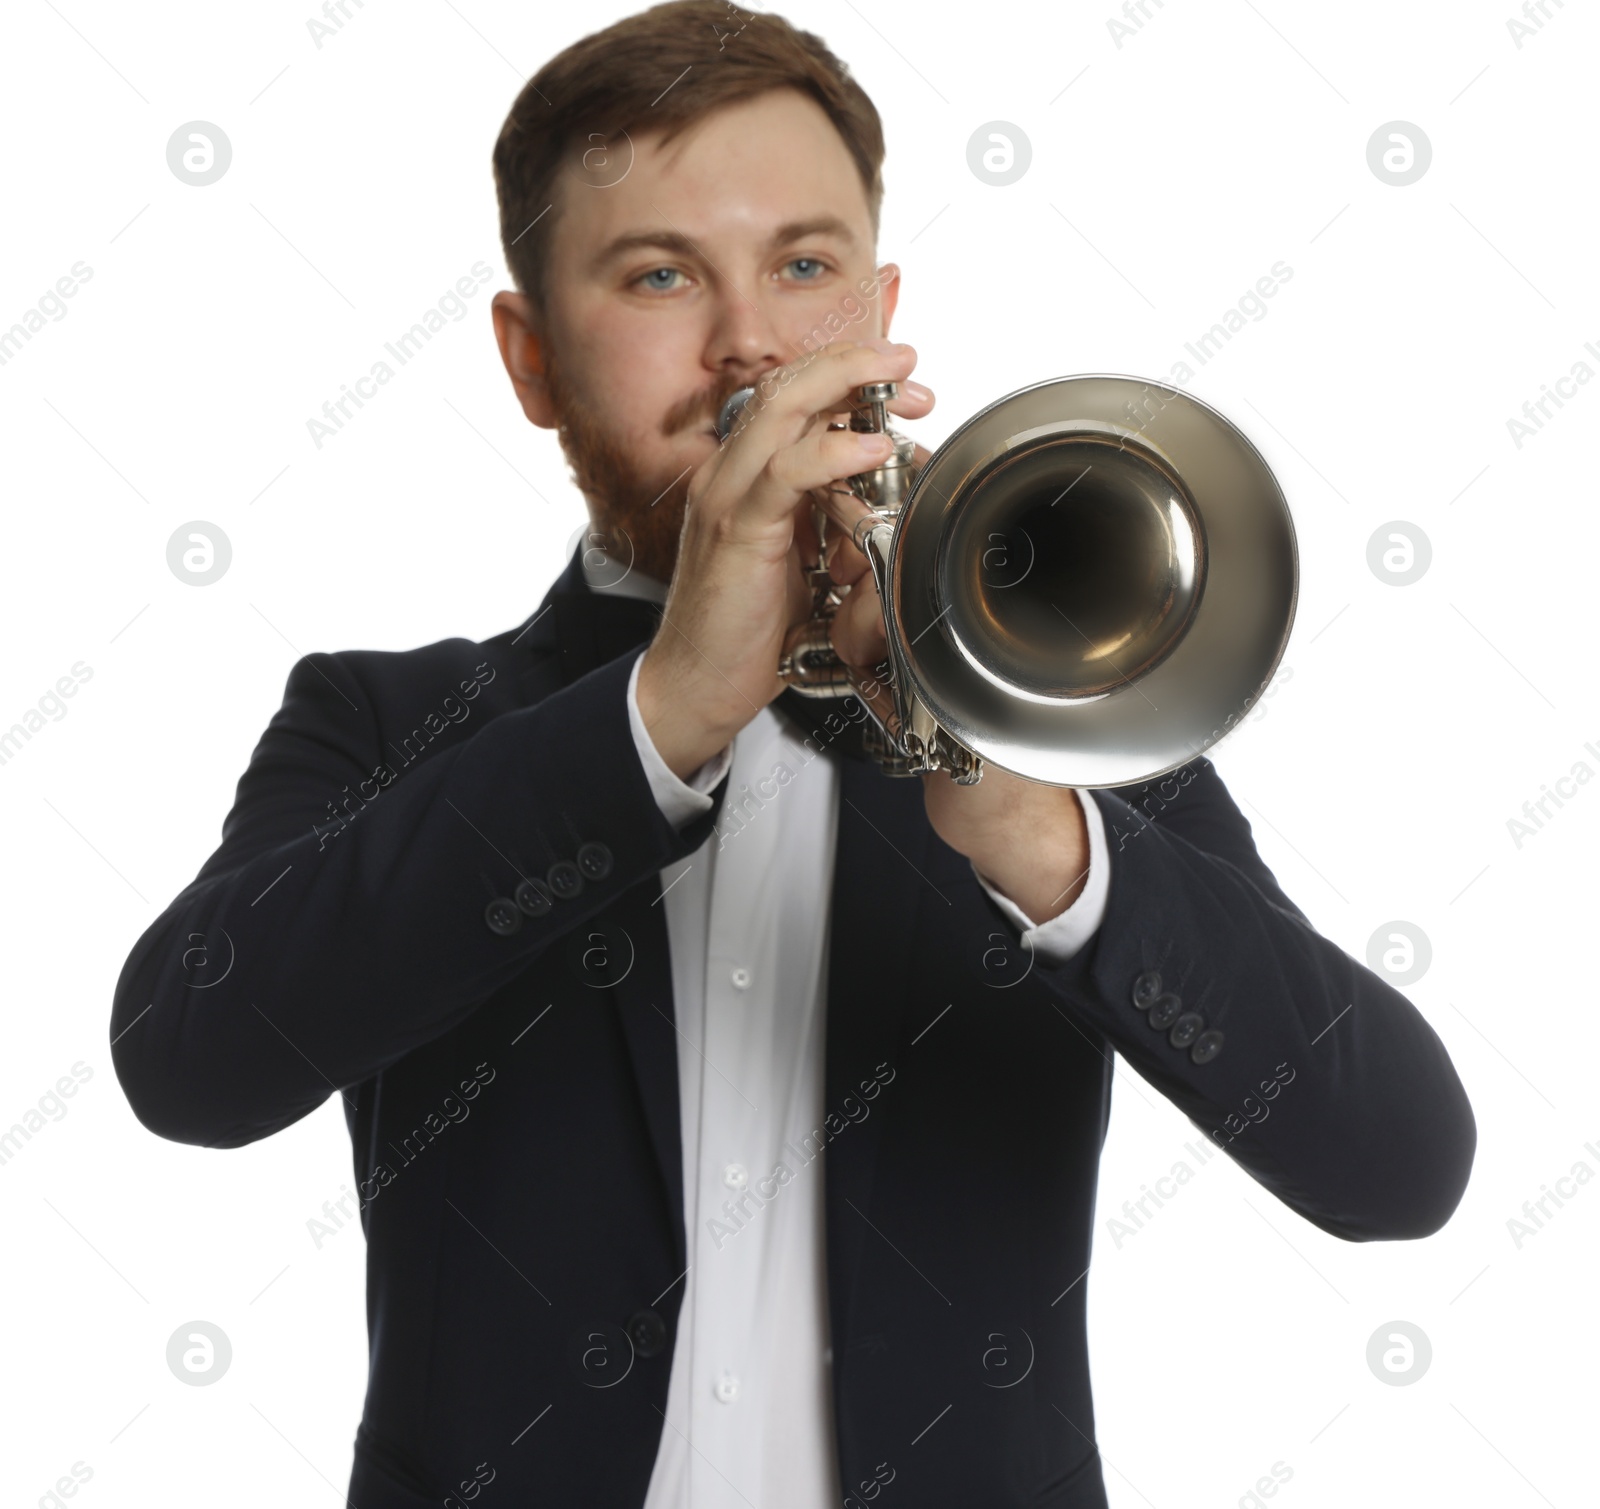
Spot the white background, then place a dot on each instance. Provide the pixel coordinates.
(1167, 175)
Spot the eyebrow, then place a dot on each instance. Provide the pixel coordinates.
(672, 241)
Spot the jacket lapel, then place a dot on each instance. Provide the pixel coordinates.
(583, 629)
(645, 1012)
(881, 847)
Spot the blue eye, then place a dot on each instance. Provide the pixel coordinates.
(646, 278)
(814, 263)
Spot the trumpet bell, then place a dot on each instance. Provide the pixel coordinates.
(1090, 582)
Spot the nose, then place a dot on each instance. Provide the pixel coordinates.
(743, 342)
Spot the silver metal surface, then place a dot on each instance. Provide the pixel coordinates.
(1089, 584)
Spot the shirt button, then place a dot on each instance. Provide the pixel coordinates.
(741, 977)
(726, 1389)
(736, 1176)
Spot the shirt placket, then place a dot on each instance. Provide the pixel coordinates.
(745, 1083)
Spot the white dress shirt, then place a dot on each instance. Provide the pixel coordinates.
(749, 1399)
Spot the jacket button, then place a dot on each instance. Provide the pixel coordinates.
(648, 1332)
(1165, 1010)
(595, 861)
(533, 898)
(1146, 988)
(1206, 1047)
(564, 879)
(1186, 1029)
(502, 916)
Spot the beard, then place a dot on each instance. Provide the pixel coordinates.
(636, 510)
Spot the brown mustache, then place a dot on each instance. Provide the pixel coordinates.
(702, 408)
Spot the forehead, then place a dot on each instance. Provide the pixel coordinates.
(732, 177)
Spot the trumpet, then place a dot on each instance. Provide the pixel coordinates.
(1089, 583)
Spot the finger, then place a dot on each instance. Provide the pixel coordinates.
(805, 535)
(913, 401)
(860, 634)
(811, 469)
(782, 411)
(846, 564)
(846, 513)
(798, 594)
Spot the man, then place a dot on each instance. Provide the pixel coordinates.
(726, 1113)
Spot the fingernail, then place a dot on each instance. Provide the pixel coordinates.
(916, 390)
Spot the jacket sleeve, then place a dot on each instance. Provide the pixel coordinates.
(306, 957)
(1329, 1086)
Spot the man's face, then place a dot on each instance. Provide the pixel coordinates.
(676, 281)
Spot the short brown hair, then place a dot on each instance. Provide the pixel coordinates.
(635, 76)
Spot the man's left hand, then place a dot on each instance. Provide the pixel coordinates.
(1028, 840)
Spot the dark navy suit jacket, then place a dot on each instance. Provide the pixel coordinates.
(510, 1079)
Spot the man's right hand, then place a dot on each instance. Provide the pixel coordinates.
(737, 588)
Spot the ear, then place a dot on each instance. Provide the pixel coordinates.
(889, 291)
(517, 332)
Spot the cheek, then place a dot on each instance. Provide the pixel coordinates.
(637, 390)
(635, 365)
